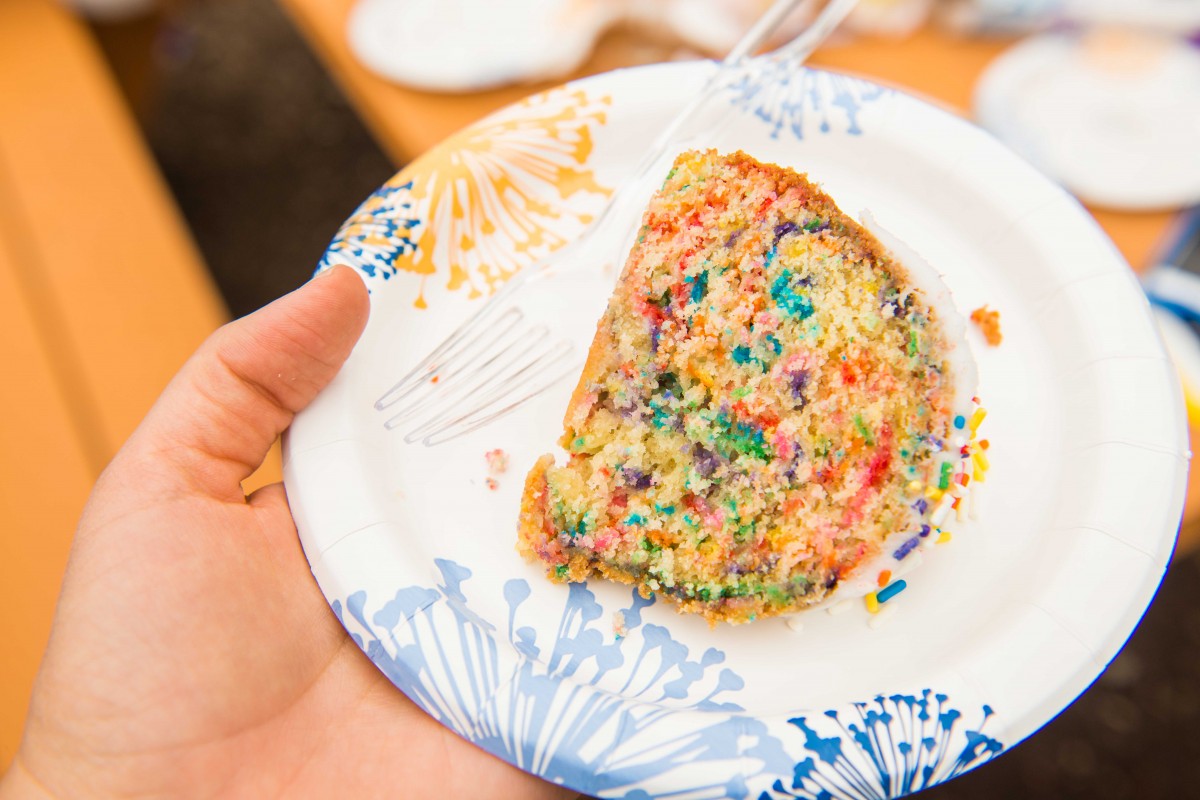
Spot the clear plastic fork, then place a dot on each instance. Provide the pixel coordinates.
(522, 341)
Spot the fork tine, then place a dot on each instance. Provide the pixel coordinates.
(487, 393)
(442, 383)
(463, 426)
(453, 344)
(478, 395)
(496, 366)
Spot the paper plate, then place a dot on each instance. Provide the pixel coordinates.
(998, 631)
(1116, 122)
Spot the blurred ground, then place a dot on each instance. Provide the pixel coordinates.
(266, 159)
(260, 148)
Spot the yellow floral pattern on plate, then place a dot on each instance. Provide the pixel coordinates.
(487, 201)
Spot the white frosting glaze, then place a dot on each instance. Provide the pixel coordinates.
(928, 280)
(954, 325)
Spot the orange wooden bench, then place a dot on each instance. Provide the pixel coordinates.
(102, 297)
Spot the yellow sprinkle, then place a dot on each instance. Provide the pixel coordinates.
(915, 486)
(872, 603)
(979, 476)
(976, 419)
(934, 493)
(701, 375)
(981, 461)
(944, 537)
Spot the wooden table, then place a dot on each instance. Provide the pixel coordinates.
(102, 297)
(939, 66)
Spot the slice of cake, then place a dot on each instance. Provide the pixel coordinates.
(768, 405)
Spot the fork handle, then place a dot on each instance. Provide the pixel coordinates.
(791, 55)
(750, 42)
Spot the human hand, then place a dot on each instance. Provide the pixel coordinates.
(192, 653)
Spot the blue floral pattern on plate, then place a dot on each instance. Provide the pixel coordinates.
(804, 101)
(638, 714)
(376, 234)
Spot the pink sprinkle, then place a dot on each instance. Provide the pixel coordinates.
(783, 445)
(604, 541)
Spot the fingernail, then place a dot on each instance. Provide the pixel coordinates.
(324, 271)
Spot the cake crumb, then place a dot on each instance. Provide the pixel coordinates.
(618, 625)
(497, 461)
(988, 323)
(492, 484)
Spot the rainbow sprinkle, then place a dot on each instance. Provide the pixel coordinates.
(890, 591)
(872, 601)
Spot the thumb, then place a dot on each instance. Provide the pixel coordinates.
(218, 417)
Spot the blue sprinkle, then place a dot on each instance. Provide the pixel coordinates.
(960, 422)
(699, 286)
(891, 590)
(741, 354)
(635, 519)
(925, 529)
(906, 548)
(921, 506)
(786, 296)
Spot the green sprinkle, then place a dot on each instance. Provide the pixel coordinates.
(560, 571)
(912, 342)
(741, 392)
(861, 427)
(944, 479)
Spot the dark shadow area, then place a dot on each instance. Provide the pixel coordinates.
(262, 151)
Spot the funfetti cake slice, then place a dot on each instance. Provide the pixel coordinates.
(769, 404)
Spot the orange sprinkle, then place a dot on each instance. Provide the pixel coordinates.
(435, 378)
(885, 578)
(985, 444)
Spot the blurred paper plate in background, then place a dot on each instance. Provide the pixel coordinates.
(1113, 115)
